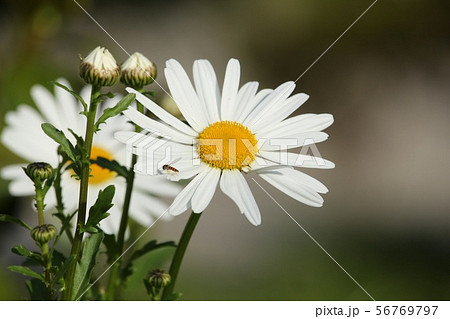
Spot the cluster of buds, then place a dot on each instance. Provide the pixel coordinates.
(44, 233)
(100, 68)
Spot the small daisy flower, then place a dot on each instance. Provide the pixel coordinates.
(23, 136)
(228, 134)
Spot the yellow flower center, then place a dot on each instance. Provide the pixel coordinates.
(99, 174)
(227, 145)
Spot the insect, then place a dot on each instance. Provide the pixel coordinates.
(167, 167)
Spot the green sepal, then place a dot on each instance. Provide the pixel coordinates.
(12, 219)
(121, 106)
(112, 165)
(83, 270)
(59, 137)
(76, 95)
(98, 211)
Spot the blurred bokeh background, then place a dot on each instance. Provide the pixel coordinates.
(387, 82)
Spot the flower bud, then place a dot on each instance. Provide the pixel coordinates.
(137, 71)
(44, 233)
(39, 171)
(99, 68)
(158, 278)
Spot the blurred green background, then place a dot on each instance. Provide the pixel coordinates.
(386, 219)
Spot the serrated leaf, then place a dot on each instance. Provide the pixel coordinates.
(59, 137)
(26, 272)
(98, 211)
(83, 270)
(121, 106)
(35, 258)
(112, 165)
(76, 95)
(12, 219)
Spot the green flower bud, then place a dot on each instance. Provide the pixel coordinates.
(158, 278)
(39, 171)
(138, 71)
(44, 233)
(99, 68)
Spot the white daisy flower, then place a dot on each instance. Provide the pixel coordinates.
(23, 136)
(227, 134)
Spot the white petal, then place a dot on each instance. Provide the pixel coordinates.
(183, 200)
(69, 109)
(162, 114)
(270, 104)
(156, 185)
(230, 90)
(252, 104)
(277, 143)
(233, 184)
(295, 177)
(205, 191)
(207, 88)
(282, 111)
(45, 101)
(297, 191)
(297, 124)
(298, 160)
(157, 127)
(187, 101)
(245, 95)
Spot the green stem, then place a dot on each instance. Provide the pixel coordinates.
(40, 204)
(179, 253)
(84, 183)
(59, 199)
(113, 277)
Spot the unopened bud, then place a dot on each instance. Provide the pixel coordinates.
(138, 71)
(158, 278)
(39, 171)
(44, 233)
(99, 68)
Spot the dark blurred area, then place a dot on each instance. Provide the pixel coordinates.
(386, 81)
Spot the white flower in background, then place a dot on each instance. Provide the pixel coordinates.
(23, 136)
(228, 134)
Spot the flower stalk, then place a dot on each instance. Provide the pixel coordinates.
(84, 183)
(179, 254)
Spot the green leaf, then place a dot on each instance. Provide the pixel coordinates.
(12, 219)
(121, 106)
(34, 258)
(59, 137)
(98, 211)
(76, 95)
(112, 250)
(63, 268)
(26, 272)
(65, 221)
(112, 165)
(83, 270)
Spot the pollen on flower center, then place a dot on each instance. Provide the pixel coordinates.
(99, 174)
(227, 145)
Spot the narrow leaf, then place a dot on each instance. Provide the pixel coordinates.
(26, 272)
(63, 268)
(76, 95)
(83, 271)
(112, 165)
(32, 257)
(12, 219)
(98, 211)
(121, 106)
(59, 137)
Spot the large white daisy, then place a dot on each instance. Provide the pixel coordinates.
(23, 136)
(228, 134)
